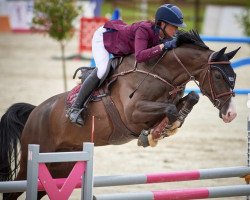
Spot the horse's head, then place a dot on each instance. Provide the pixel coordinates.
(214, 73)
(217, 83)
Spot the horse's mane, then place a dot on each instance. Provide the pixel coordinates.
(190, 37)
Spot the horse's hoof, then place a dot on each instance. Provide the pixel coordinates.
(143, 139)
(151, 141)
(171, 132)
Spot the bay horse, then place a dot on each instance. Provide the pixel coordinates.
(140, 96)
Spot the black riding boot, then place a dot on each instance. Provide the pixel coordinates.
(89, 84)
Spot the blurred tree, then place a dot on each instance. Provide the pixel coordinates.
(197, 7)
(244, 19)
(56, 18)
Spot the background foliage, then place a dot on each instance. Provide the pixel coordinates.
(193, 10)
(56, 17)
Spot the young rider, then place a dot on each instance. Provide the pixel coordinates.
(146, 39)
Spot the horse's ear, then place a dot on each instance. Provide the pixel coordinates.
(231, 54)
(218, 54)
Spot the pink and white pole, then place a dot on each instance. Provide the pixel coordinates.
(181, 194)
(214, 173)
(248, 137)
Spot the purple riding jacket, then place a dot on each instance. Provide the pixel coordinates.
(139, 38)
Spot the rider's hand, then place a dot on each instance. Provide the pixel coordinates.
(168, 45)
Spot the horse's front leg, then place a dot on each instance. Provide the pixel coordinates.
(168, 126)
(184, 106)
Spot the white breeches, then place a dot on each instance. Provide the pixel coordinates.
(100, 54)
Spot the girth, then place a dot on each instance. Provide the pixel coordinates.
(121, 134)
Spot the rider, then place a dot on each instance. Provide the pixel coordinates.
(146, 39)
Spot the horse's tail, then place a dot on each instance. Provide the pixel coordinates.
(11, 127)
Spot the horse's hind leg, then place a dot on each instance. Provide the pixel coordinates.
(61, 170)
(22, 175)
(13, 196)
(40, 195)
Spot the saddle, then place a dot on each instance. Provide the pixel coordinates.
(121, 134)
(85, 72)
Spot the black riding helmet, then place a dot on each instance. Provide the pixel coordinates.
(170, 14)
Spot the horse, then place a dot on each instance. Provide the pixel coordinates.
(136, 98)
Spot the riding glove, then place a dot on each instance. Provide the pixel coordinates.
(168, 45)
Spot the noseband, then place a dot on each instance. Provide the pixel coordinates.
(214, 97)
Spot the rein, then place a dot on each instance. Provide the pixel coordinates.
(215, 97)
(175, 89)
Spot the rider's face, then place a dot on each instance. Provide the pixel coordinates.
(169, 29)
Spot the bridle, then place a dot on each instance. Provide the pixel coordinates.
(207, 73)
(179, 88)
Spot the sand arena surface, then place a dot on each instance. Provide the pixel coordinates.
(29, 74)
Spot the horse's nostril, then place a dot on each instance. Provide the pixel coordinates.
(231, 115)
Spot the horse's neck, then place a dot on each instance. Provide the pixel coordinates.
(168, 69)
(128, 63)
(191, 63)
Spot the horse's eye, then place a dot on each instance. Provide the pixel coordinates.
(218, 75)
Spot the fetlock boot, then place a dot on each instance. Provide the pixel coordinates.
(89, 84)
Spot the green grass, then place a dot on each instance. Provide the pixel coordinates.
(132, 13)
(224, 2)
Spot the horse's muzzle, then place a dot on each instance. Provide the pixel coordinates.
(228, 112)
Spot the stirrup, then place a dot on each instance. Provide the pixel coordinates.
(77, 116)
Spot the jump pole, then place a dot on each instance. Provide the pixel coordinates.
(202, 174)
(248, 138)
(81, 172)
(135, 179)
(201, 193)
(195, 193)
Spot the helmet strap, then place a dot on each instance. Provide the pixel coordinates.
(164, 30)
